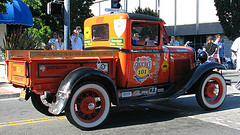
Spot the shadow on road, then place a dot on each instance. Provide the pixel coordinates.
(159, 112)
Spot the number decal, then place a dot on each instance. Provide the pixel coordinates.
(142, 71)
(142, 67)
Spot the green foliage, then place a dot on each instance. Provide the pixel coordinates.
(3, 8)
(229, 17)
(146, 11)
(20, 40)
(41, 31)
(79, 12)
(44, 25)
(147, 30)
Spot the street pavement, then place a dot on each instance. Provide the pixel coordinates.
(180, 116)
(8, 91)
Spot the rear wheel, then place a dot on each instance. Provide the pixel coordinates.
(212, 91)
(88, 106)
(41, 103)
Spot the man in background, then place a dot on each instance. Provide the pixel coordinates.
(76, 41)
(79, 30)
(52, 40)
(220, 46)
(173, 41)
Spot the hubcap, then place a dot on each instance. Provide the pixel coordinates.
(91, 106)
(211, 91)
(87, 105)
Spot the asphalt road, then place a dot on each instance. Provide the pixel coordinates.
(180, 116)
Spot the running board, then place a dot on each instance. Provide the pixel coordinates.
(228, 82)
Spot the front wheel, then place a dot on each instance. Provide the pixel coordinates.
(211, 91)
(88, 105)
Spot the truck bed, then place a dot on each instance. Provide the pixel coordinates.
(44, 70)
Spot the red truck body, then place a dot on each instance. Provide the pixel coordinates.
(114, 68)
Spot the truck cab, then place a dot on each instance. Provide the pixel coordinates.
(143, 58)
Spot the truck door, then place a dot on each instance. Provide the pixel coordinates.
(148, 63)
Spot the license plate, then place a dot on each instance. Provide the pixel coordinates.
(22, 94)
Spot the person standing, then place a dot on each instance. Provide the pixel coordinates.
(52, 40)
(173, 41)
(210, 47)
(79, 30)
(236, 51)
(220, 48)
(58, 44)
(77, 43)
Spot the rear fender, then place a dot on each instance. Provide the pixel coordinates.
(74, 78)
(198, 73)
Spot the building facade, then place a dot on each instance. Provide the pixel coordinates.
(188, 20)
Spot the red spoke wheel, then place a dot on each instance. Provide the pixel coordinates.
(211, 91)
(88, 106)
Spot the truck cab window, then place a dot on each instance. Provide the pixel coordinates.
(145, 34)
(100, 32)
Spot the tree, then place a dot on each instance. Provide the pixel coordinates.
(41, 30)
(147, 30)
(3, 8)
(229, 17)
(146, 11)
(44, 25)
(79, 12)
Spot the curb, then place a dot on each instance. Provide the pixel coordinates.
(12, 95)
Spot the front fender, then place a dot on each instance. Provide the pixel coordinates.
(199, 71)
(70, 81)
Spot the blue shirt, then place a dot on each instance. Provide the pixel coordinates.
(78, 45)
(221, 49)
(175, 43)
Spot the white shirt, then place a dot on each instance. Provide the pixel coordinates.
(50, 41)
(78, 45)
(236, 47)
(58, 46)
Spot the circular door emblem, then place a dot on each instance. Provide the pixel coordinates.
(164, 66)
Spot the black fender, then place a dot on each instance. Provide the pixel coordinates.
(88, 74)
(196, 75)
(75, 77)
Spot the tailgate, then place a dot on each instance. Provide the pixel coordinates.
(18, 72)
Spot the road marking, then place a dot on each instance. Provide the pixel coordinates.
(30, 121)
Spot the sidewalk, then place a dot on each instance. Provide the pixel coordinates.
(6, 90)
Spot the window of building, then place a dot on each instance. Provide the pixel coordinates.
(100, 32)
(145, 34)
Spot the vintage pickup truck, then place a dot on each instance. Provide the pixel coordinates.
(124, 62)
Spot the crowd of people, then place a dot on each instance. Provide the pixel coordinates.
(215, 50)
(77, 40)
(216, 53)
